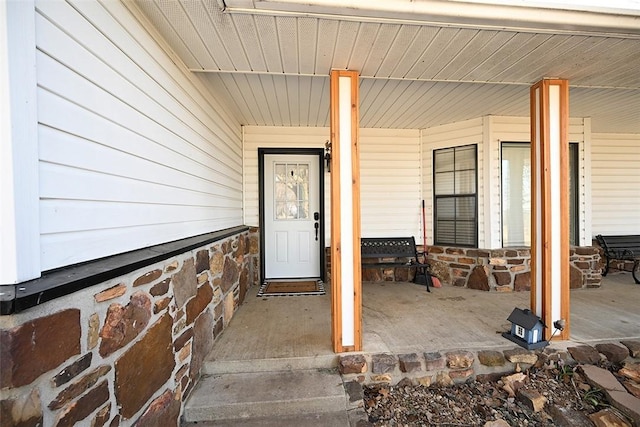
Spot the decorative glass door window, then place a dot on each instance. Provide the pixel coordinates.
(291, 191)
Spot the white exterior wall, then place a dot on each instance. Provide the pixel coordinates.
(389, 170)
(452, 135)
(489, 132)
(615, 183)
(134, 151)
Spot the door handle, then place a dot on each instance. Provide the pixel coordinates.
(317, 227)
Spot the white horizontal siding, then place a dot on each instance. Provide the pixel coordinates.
(134, 151)
(389, 171)
(452, 135)
(615, 183)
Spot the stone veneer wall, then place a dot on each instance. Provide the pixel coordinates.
(506, 270)
(127, 351)
(502, 270)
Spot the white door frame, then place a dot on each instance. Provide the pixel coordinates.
(319, 153)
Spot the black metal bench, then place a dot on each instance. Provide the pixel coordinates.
(621, 248)
(394, 252)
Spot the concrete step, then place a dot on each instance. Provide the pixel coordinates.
(326, 419)
(245, 396)
(213, 367)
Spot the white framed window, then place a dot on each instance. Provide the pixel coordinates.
(516, 194)
(520, 331)
(455, 182)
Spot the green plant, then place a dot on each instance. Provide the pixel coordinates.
(595, 398)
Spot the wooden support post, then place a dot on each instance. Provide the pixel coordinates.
(346, 282)
(550, 204)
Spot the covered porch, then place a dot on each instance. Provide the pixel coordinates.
(400, 317)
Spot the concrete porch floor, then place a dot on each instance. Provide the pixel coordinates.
(402, 317)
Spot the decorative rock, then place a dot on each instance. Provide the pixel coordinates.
(102, 416)
(160, 288)
(202, 261)
(111, 293)
(383, 378)
(584, 354)
(196, 305)
(144, 368)
(491, 358)
(405, 382)
(23, 410)
(443, 379)
(479, 278)
(614, 353)
(84, 406)
(434, 361)
(228, 308)
(502, 278)
(162, 412)
(424, 381)
(631, 371)
(72, 371)
(229, 275)
(160, 305)
(181, 341)
(184, 352)
(532, 399)
(93, 331)
(123, 324)
(634, 348)
(608, 418)
(459, 359)
(632, 387)
(520, 355)
(496, 423)
(202, 278)
(185, 283)
(202, 342)
(354, 390)
(171, 267)
(512, 383)
(565, 417)
(79, 387)
(459, 375)
(216, 264)
(147, 278)
(522, 282)
(409, 362)
(382, 363)
(616, 394)
(37, 346)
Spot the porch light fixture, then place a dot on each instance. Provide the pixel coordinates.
(327, 155)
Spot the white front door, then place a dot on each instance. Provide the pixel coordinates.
(291, 216)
